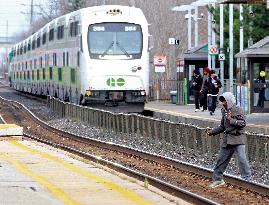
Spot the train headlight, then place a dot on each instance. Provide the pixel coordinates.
(143, 92)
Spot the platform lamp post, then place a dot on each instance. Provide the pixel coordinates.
(211, 39)
(188, 16)
(182, 88)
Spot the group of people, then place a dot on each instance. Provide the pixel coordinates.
(205, 89)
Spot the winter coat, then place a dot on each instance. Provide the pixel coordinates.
(213, 85)
(234, 133)
(196, 82)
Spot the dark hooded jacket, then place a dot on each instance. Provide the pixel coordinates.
(234, 133)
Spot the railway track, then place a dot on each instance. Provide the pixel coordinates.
(180, 178)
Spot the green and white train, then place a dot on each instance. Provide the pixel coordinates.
(96, 55)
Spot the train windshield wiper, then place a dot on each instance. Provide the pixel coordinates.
(122, 49)
(110, 46)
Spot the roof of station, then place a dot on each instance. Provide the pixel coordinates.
(259, 49)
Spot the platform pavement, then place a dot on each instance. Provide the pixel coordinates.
(256, 122)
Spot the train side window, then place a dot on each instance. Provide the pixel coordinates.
(51, 34)
(24, 75)
(44, 38)
(40, 62)
(54, 59)
(73, 75)
(71, 29)
(38, 42)
(33, 75)
(67, 59)
(37, 74)
(76, 28)
(50, 73)
(33, 45)
(63, 58)
(28, 75)
(24, 48)
(78, 60)
(60, 74)
(29, 46)
(35, 64)
(60, 32)
(44, 74)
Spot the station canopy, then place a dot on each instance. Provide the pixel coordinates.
(258, 50)
(197, 53)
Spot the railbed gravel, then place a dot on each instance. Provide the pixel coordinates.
(260, 173)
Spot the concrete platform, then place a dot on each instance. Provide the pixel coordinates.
(34, 173)
(10, 130)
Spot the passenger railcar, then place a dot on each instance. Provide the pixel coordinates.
(97, 55)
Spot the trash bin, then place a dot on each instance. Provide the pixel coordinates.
(173, 95)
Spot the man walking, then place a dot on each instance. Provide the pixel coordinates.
(232, 124)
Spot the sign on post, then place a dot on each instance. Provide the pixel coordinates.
(213, 50)
(173, 41)
(160, 64)
(221, 57)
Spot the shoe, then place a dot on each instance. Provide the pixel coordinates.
(211, 113)
(217, 184)
(202, 109)
(196, 110)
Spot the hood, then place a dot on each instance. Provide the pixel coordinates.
(229, 97)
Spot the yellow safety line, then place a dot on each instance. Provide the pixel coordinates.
(131, 195)
(53, 189)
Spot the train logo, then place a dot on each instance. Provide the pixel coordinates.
(112, 82)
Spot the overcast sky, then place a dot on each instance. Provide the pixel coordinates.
(11, 12)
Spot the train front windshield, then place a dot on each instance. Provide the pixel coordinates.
(115, 40)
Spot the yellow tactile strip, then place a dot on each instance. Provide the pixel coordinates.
(56, 181)
(5, 126)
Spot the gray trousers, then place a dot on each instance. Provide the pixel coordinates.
(224, 158)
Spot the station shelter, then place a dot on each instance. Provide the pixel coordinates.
(253, 73)
(194, 59)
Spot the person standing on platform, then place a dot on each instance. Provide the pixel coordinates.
(196, 84)
(204, 90)
(262, 87)
(232, 125)
(213, 84)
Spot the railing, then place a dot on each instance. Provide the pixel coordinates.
(170, 138)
